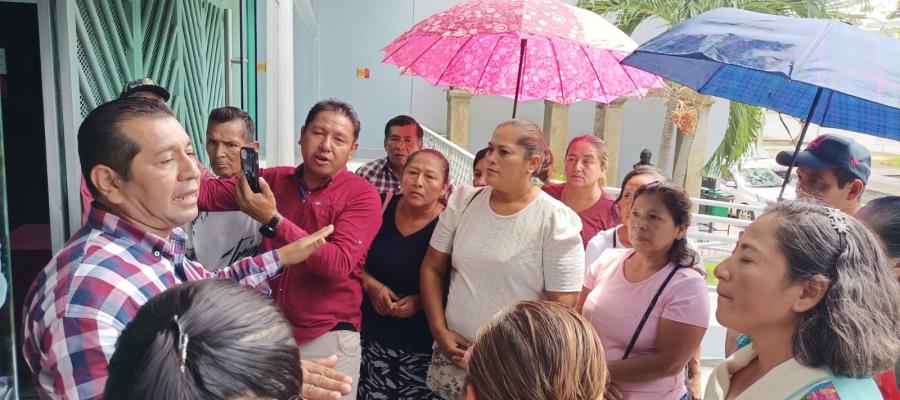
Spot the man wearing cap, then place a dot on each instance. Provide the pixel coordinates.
(143, 87)
(833, 170)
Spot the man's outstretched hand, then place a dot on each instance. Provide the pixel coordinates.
(299, 250)
(320, 382)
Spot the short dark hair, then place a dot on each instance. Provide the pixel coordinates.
(642, 170)
(228, 114)
(337, 106)
(679, 205)
(403, 120)
(844, 177)
(101, 140)
(238, 344)
(479, 156)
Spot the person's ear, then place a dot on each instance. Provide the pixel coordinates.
(353, 148)
(856, 188)
(254, 145)
(682, 232)
(109, 183)
(302, 131)
(812, 291)
(535, 163)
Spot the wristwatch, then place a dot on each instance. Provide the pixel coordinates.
(268, 229)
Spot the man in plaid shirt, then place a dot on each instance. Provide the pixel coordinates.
(140, 168)
(402, 136)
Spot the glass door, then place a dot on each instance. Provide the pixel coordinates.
(8, 383)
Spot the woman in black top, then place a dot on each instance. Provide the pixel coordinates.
(396, 340)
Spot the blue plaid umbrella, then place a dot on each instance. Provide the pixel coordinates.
(822, 71)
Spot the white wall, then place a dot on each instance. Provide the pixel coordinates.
(352, 33)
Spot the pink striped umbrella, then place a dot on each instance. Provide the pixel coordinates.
(570, 54)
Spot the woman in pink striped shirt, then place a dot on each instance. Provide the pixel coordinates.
(585, 168)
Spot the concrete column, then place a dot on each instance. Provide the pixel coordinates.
(458, 102)
(691, 158)
(556, 131)
(280, 144)
(608, 126)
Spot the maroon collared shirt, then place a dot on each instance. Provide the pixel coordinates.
(326, 289)
(596, 218)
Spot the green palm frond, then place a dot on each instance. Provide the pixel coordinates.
(745, 124)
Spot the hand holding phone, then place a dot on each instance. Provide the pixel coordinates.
(250, 167)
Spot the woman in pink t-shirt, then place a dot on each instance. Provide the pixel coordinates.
(585, 167)
(649, 304)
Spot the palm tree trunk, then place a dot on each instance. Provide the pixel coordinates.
(664, 162)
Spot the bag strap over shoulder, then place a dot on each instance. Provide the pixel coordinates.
(473, 198)
(470, 202)
(637, 332)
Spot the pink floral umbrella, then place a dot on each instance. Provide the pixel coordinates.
(570, 53)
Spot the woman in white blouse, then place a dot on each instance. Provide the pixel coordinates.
(509, 242)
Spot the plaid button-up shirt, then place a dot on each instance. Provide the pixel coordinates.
(379, 173)
(82, 300)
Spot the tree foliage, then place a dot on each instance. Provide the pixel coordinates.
(745, 123)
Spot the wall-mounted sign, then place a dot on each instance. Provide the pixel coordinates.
(260, 68)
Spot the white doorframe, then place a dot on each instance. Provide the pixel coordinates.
(56, 30)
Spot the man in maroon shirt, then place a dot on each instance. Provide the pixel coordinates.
(320, 297)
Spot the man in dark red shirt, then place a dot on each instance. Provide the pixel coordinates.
(320, 297)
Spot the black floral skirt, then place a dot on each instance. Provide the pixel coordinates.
(390, 373)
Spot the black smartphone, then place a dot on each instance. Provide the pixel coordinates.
(250, 167)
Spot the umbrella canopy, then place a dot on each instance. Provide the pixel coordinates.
(823, 71)
(571, 54)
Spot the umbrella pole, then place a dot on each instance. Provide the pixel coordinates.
(524, 43)
(809, 117)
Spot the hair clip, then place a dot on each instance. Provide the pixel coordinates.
(839, 224)
(838, 220)
(182, 343)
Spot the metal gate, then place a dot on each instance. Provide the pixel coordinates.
(199, 50)
(180, 44)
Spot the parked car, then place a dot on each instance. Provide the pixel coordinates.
(765, 159)
(754, 183)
